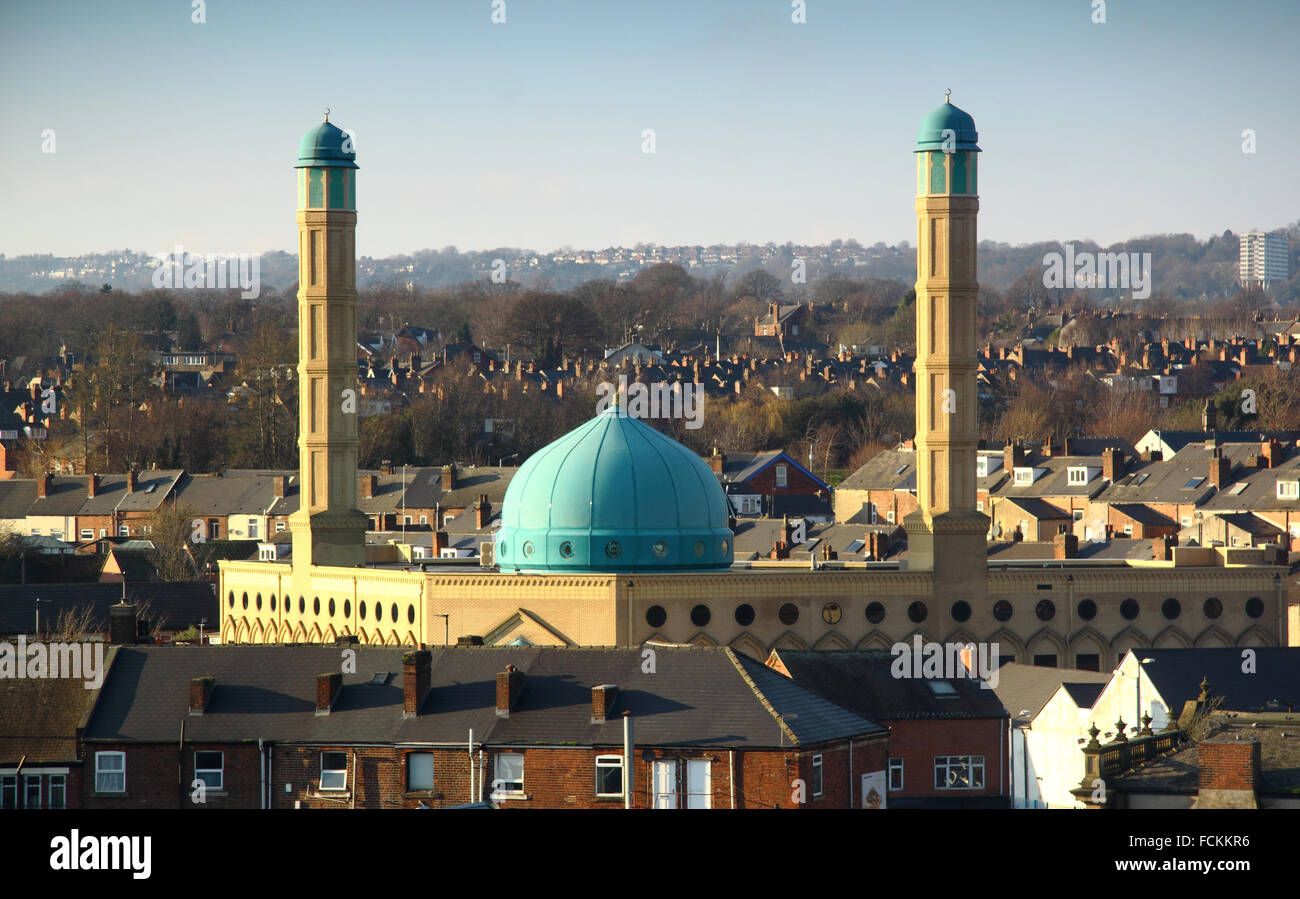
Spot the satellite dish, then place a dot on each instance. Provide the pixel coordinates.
(997, 530)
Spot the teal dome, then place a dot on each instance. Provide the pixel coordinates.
(323, 146)
(947, 117)
(614, 495)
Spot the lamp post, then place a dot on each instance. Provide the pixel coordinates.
(446, 627)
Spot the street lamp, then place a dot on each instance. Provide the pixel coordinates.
(446, 627)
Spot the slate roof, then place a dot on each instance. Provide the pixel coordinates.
(39, 717)
(1055, 481)
(65, 498)
(1039, 509)
(1143, 514)
(1029, 687)
(16, 497)
(861, 681)
(180, 604)
(1177, 440)
(112, 494)
(1177, 673)
(695, 697)
(881, 472)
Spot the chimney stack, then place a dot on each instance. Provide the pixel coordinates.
(449, 477)
(1220, 468)
(1271, 453)
(327, 690)
(417, 676)
(1064, 545)
(1209, 416)
(200, 693)
(123, 626)
(92, 486)
(132, 481)
(717, 461)
(44, 485)
(482, 512)
(439, 543)
(369, 486)
(1013, 456)
(509, 683)
(280, 484)
(602, 702)
(1229, 771)
(1112, 463)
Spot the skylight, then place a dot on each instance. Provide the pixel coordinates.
(942, 689)
(1193, 483)
(901, 469)
(1237, 489)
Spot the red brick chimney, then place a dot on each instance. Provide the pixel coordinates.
(92, 486)
(1229, 769)
(1048, 447)
(717, 461)
(369, 485)
(1220, 468)
(449, 477)
(1271, 453)
(123, 626)
(482, 512)
(1112, 463)
(439, 543)
(200, 692)
(132, 480)
(602, 702)
(44, 484)
(509, 683)
(280, 485)
(417, 676)
(327, 690)
(1013, 456)
(1064, 545)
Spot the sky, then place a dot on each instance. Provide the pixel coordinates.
(530, 133)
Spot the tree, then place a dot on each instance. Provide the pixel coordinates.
(172, 530)
(553, 325)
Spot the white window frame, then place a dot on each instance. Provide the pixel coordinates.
(608, 762)
(279, 526)
(104, 771)
(254, 528)
(782, 476)
(889, 516)
(1292, 490)
(8, 791)
(123, 530)
(1128, 530)
(220, 772)
(1077, 514)
(1022, 476)
(333, 773)
(509, 786)
(59, 781)
(411, 785)
(1077, 475)
(818, 776)
(948, 764)
(895, 767)
(103, 532)
(28, 781)
(424, 519)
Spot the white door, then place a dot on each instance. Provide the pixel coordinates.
(665, 783)
(699, 783)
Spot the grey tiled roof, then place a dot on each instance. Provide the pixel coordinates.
(1028, 687)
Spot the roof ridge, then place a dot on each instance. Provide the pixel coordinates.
(763, 700)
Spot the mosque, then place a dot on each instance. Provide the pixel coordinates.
(615, 535)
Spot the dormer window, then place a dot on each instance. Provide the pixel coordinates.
(1078, 475)
(1026, 475)
(1288, 489)
(986, 465)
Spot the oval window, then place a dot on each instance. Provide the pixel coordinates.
(566, 549)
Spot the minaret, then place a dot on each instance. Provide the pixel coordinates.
(947, 535)
(328, 529)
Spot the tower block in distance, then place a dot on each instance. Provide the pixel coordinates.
(328, 528)
(946, 534)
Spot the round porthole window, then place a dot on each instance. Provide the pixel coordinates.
(1087, 609)
(302, 605)
(655, 616)
(613, 549)
(699, 549)
(258, 602)
(1255, 607)
(831, 613)
(917, 611)
(315, 605)
(725, 546)
(245, 600)
(566, 549)
(410, 614)
(503, 548)
(394, 611)
(788, 613)
(961, 610)
(1045, 610)
(875, 612)
(744, 614)
(700, 615)
(528, 549)
(1213, 608)
(1002, 610)
(272, 602)
(347, 608)
(1129, 609)
(1171, 608)
(331, 607)
(659, 548)
(231, 599)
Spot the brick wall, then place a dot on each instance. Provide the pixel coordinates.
(918, 742)
(153, 780)
(1227, 764)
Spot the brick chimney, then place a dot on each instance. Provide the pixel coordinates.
(92, 486)
(1112, 463)
(1064, 545)
(439, 543)
(1220, 468)
(280, 485)
(449, 477)
(132, 481)
(200, 693)
(1229, 769)
(386, 466)
(1013, 455)
(1048, 447)
(123, 627)
(1271, 453)
(44, 485)
(509, 683)
(1162, 548)
(482, 512)
(559, 389)
(602, 702)
(717, 461)
(417, 676)
(1209, 417)
(327, 690)
(369, 485)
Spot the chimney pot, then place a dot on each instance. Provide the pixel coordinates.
(602, 702)
(327, 690)
(123, 627)
(417, 676)
(200, 693)
(509, 683)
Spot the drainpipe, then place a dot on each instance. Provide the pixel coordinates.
(270, 781)
(731, 768)
(261, 765)
(470, 747)
(352, 799)
(628, 771)
(851, 772)
(481, 762)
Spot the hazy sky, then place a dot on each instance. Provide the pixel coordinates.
(528, 133)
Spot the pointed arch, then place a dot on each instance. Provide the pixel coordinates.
(300, 633)
(702, 639)
(915, 632)
(1213, 636)
(832, 641)
(409, 639)
(1008, 644)
(750, 646)
(1087, 639)
(242, 631)
(1172, 637)
(286, 632)
(789, 641)
(656, 637)
(392, 639)
(1255, 636)
(875, 640)
(313, 635)
(328, 635)
(362, 637)
(228, 631)
(1050, 638)
(1128, 639)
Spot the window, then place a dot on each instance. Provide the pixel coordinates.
(32, 791)
(979, 505)
(1128, 530)
(1193, 483)
(110, 772)
(609, 775)
(1023, 475)
(1088, 661)
(57, 535)
(87, 533)
(208, 767)
(889, 516)
(103, 532)
(782, 476)
(279, 526)
(1078, 475)
(123, 531)
(895, 774)
(1045, 660)
(1288, 489)
(8, 792)
(407, 519)
(1078, 515)
(817, 775)
(253, 526)
(36, 532)
(333, 770)
(509, 776)
(874, 514)
(942, 689)
(1185, 521)
(419, 771)
(214, 529)
(959, 772)
(58, 791)
(424, 519)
